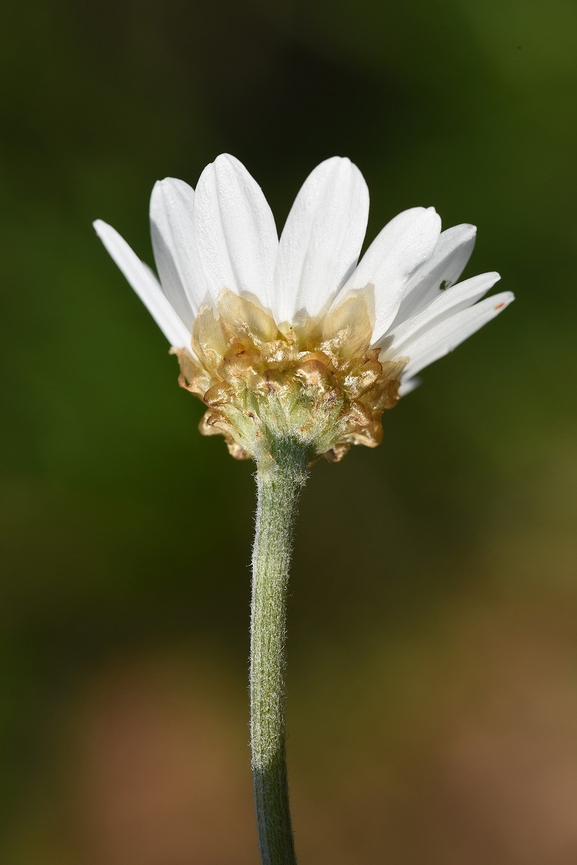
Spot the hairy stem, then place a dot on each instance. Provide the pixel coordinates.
(279, 482)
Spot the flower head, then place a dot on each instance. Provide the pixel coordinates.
(294, 336)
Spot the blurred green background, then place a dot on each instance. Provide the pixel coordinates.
(433, 617)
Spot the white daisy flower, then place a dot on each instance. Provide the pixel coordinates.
(292, 336)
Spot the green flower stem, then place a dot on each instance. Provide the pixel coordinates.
(281, 474)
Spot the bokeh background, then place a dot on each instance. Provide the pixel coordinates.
(433, 618)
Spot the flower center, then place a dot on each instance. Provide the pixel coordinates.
(316, 380)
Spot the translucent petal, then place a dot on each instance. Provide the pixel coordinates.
(403, 245)
(445, 305)
(235, 231)
(322, 238)
(446, 265)
(407, 385)
(444, 337)
(145, 285)
(174, 245)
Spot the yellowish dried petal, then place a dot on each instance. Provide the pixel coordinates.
(241, 315)
(193, 376)
(208, 340)
(349, 327)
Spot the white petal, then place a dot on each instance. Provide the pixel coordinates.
(174, 245)
(397, 252)
(407, 385)
(447, 335)
(447, 263)
(446, 304)
(322, 238)
(145, 285)
(235, 231)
